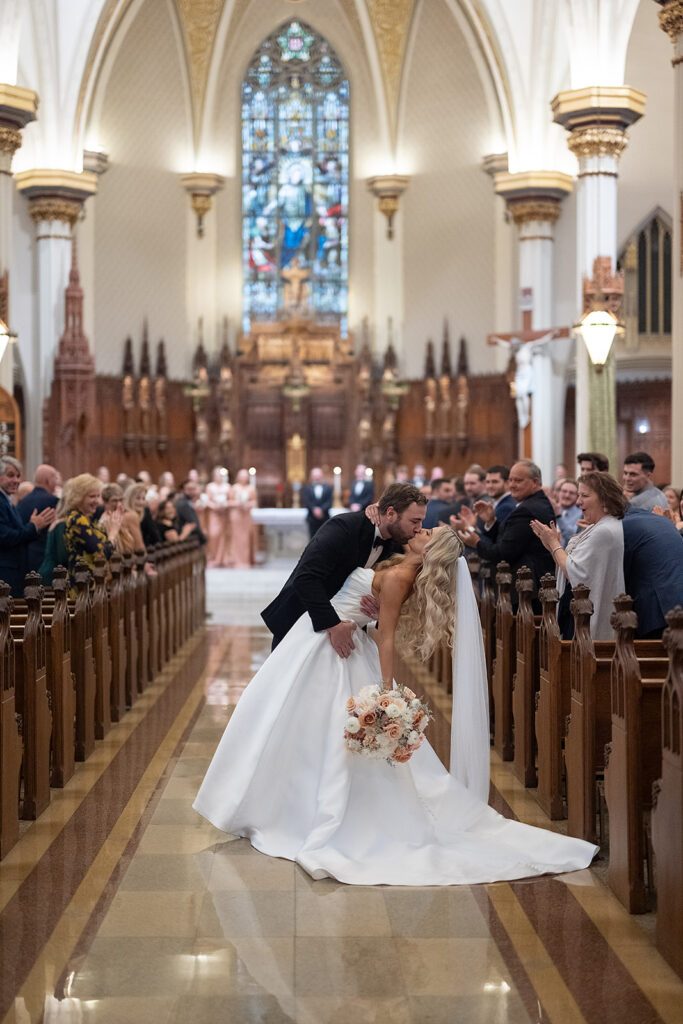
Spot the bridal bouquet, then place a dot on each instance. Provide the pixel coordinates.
(386, 725)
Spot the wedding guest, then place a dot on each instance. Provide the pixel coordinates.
(167, 523)
(240, 502)
(402, 475)
(15, 535)
(594, 557)
(475, 486)
(55, 549)
(316, 498)
(419, 475)
(23, 490)
(441, 499)
(637, 480)
(217, 493)
(102, 474)
(589, 461)
(42, 495)
(497, 489)
(653, 568)
(569, 512)
(362, 491)
(185, 507)
(83, 537)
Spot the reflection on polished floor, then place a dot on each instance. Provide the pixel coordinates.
(121, 905)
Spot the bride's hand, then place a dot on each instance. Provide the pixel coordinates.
(369, 606)
(341, 638)
(372, 513)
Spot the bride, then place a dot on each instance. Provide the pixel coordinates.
(282, 776)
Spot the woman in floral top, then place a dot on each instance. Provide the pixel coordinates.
(83, 538)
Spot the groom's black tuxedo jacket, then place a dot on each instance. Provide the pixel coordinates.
(341, 545)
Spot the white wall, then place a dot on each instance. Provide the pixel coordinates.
(450, 206)
(646, 168)
(141, 210)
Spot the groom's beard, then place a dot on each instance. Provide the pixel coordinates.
(398, 534)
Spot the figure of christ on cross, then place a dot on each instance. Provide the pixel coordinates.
(295, 295)
(523, 345)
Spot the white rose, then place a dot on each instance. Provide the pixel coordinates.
(413, 738)
(416, 704)
(393, 712)
(354, 745)
(352, 725)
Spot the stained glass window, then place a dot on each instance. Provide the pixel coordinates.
(295, 169)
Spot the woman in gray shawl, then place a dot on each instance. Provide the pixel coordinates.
(595, 556)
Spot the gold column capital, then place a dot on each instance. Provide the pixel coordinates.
(611, 105)
(526, 211)
(201, 186)
(55, 194)
(388, 188)
(671, 18)
(533, 195)
(10, 139)
(598, 140)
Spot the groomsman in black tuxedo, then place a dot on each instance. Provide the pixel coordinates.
(342, 544)
(362, 491)
(316, 497)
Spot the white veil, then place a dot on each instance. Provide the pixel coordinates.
(470, 740)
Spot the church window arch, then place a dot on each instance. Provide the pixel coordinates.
(646, 262)
(295, 171)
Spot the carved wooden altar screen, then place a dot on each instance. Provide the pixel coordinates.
(293, 378)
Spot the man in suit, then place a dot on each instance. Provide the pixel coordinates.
(513, 540)
(184, 506)
(46, 480)
(653, 568)
(316, 497)
(442, 498)
(342, 544)
(15, 535)
(362, 491)
(496, 484)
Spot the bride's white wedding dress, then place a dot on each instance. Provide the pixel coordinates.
(282, 777)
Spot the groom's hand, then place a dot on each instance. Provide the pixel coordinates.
(341, 638)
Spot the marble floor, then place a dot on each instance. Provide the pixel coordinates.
(120, 905)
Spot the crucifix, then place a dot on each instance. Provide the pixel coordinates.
(523, 346)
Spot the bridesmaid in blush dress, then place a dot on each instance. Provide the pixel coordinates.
(217, 493)
(241, 500)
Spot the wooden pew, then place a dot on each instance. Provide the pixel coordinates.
(117, 639)
(101, 649)
(525, 680)
(33, 700)
(141, 620)
(60, 680)
(503, 665)
(130, 631)
(487, 613)
(154, 660)
(10, 739)
(83, 662)
(552, 702)
(633, 760)
(590, 724)
(667, 812)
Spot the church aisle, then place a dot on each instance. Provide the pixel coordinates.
(125, 906)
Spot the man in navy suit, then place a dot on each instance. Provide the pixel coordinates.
(362, 491)
(496, 484)
(46, 480)
(513, 541)
(342, 544)
(15, 535)
(653, 568)
(316, 498)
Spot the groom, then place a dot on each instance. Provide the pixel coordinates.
(342, 544)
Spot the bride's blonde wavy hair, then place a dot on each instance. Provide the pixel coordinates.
(427, 617)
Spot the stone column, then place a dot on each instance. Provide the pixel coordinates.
(56, 199)
(533, 201)
(596, 118)
(17, 107)
(202, 255)
(388, 261)
(671, 21)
